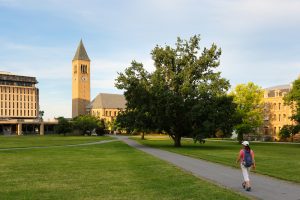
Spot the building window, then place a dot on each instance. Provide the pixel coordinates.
(83, 69)
(279, 117)
(274, 130)
(279, 105)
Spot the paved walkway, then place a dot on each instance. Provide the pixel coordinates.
(263, 187)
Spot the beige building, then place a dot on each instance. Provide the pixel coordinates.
(19, 96)
(276, 113)
(107, 106)
(19, 111)
(80, 81)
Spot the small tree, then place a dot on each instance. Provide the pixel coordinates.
(41, 114)
(86, 123)
(63, 126)
(249, 100)
(286, 131)
(100, 130)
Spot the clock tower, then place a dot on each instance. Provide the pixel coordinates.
(80, 81)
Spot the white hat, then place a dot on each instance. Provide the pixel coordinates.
(245, 143)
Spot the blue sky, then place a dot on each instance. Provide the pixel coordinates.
(259, 39)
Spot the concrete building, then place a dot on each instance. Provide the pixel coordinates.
(19, 96)
(19, 106)
(276, 113)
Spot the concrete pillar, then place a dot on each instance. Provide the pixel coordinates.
(19, 129)
(42, 132)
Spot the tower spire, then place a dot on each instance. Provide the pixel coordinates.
(81, 52)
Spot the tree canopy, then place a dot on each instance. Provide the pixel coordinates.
(87, 123)
(63, 126)
(293, 99)
(185, 95)
(249, 100)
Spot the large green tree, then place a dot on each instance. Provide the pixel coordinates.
(249, 100)
(184, 82)
(136, 83)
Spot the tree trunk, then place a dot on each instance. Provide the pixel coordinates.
(177, 141)
(142, 136)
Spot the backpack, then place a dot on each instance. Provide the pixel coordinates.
(247, 162)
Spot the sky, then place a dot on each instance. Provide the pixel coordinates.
(260, 40)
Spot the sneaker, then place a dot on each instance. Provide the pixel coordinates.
(244, 185)
(248, 189)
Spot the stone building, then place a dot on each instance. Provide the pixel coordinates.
(107, 106)
(104, 106)
(276, 114)
(80, 81)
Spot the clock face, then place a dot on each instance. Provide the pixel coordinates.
(83, 78)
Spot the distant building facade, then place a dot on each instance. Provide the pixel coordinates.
(80, 81)
(276, 114)
(107, 106)
(19, 110)
(19, 96)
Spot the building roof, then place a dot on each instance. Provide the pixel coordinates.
(81, 53)
(279, 87)
(10, 77)
(105, 100)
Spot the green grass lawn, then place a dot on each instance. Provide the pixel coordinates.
(49, 140)
(104, 171)
(277, 160)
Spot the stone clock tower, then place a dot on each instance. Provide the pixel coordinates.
(80, 81)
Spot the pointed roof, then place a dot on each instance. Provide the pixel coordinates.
(81, 53)
(105, 100)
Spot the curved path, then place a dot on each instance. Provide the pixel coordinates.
(264, 187)
(67, 145)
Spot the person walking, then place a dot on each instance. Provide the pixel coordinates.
(246, 161)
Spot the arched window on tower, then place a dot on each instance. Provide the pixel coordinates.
(83, 69)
